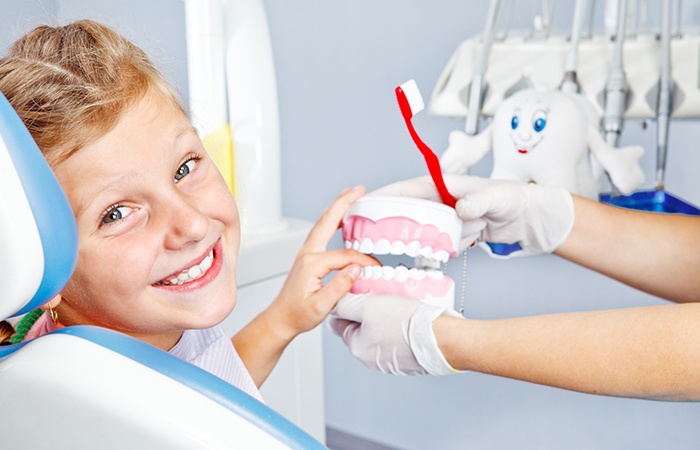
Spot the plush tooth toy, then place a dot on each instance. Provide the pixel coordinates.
(550, 138)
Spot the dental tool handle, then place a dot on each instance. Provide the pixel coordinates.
(478, 83)
(570, 82)
(663, 113)
(430, 158)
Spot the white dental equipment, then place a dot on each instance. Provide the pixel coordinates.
(667, 97)
(570, 82)
(477, 87)
(619, 78)
(233, 100)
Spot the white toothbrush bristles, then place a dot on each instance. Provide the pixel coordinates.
(415, 100)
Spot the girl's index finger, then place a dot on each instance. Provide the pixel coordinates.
(330, 220)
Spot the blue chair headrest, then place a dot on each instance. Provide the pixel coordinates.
(38, 234)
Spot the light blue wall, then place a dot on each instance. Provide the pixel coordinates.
(337, 65)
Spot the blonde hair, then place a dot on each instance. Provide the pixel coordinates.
(6, 332)
(71, 84)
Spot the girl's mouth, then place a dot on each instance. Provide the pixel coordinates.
(191, 273)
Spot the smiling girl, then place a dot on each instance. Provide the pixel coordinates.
(158, 228)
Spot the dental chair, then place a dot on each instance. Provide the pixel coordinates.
(88, 387)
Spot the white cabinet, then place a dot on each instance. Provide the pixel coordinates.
(295, 386)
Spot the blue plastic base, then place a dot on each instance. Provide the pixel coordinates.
(503, 249)
(652, 201)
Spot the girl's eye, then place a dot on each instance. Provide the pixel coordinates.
(540, 121)
(185, 169)
(115, 214)
(514, 122)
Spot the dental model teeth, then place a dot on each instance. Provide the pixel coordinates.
(427, 231)
(383, 247)
(401, 273)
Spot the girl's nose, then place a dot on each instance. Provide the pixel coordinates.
(185, 223)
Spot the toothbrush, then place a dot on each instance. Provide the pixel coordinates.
(411, 103)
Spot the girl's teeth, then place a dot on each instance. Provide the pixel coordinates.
(193, 272)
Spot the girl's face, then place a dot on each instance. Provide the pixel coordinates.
(158, 229)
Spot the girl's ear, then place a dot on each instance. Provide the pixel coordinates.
(52, 303)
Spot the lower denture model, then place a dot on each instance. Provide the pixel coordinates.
(424, 230)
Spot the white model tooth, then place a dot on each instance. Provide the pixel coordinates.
(183, 276)
(356, 245)
(426, 252)
(442, 256)
(382, 247)
(417, 274)
(367, 246)
(367, 272)
(398, 248)
(173, 280)
(413, 249)
(401, 273)
(348, 244)
(436, 274)
(376, 272)
(387, 272)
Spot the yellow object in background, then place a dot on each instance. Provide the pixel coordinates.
(219, 145)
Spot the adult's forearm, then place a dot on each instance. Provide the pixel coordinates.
(648, 251)
(650, 352)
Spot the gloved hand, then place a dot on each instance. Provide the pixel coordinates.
(539, 218)
(391, 333)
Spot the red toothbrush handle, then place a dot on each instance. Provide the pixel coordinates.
(430, 158)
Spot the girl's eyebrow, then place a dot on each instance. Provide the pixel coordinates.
(185, 131)
(92, 195)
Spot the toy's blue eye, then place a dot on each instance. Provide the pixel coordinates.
(539, 120)
(514, 122)
(539, 124)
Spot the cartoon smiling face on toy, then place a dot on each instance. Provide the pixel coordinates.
(528, 126)
(541, 137)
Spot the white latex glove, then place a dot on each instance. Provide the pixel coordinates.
(539, 218)
(391, 333)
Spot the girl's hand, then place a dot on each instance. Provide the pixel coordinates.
(304, 301)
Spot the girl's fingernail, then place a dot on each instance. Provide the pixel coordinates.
(352, 271)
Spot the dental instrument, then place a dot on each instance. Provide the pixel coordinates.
(411, 103)
(616, 91)
(478, 86)
(658, 199)
(570, 82)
